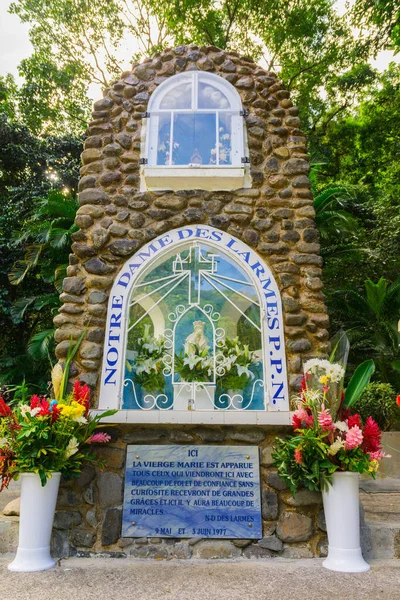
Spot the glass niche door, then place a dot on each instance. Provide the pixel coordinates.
(194, 337)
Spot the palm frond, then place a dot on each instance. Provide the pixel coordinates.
(39, 344)
(376, 294)
(59, 276)
(18, 272)
(334, 197)
(59, 205)
(59, 238)
(47, 300)
(19, 308)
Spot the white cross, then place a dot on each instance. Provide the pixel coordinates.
(195, 258)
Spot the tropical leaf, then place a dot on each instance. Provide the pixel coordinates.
(58, 205)
(59, 276)
(39, 344)
(395, 364)
(44, 301)
(393, 292)
(18, 272)
(19, 308)
(376, 294)
(59, 238)
(72, 350)
(358, 382)
(330, 196)
(21, 267)
(47, 271)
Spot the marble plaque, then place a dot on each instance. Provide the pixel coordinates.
(192, 491)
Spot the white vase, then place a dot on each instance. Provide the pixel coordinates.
(37, 510)
(342, 515)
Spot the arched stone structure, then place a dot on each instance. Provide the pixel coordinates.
(275, 215)
(272, 213)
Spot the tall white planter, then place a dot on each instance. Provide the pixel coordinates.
(342, 515)
(37, 510)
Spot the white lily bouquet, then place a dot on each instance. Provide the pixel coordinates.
(195, 363)
(236, 360)
(148, 365)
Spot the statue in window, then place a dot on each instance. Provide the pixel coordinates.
(196, 158)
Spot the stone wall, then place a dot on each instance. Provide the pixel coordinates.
(275, 216)
(89, 511)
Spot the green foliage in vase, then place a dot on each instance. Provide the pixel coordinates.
(236, 360)
(197, 365)
(315, 470)
(147, 362)
(378, 400)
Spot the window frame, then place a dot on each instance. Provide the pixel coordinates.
(260, 274)
(235, 109)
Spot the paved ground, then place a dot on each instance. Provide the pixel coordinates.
(274, 579)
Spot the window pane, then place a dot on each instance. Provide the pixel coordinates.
(178, 97)
(211, 96)
(225, 139)
(194, 139)
(164, 134)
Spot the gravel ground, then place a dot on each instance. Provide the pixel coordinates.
(124, 579)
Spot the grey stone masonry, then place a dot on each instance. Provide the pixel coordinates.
(88, 519)
(275, 216)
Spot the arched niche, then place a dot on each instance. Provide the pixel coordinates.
(199, 279)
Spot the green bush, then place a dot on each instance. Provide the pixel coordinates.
(378, 400)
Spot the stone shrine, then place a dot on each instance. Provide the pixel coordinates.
(196, 276)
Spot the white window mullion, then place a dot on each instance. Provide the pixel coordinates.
(217, 137)
(194, 92)
(171, 138)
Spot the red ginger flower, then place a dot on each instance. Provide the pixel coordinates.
(5, 410)
(354, 420)
(398, 400)
(81, 393)
(372, 436)
(301, 417)
(55, 413)
(35, 401)
(44, 408)
(325, 420)
(298, 457)
(42, 403)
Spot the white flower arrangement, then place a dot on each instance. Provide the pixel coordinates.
(334, 371)
(148, 363)
(235, 360)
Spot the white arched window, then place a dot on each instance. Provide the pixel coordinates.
(195, 129)
(195, 326)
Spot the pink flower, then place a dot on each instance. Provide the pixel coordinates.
(354, 438)
(325, 420)
(100, 438)
(378, 455)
